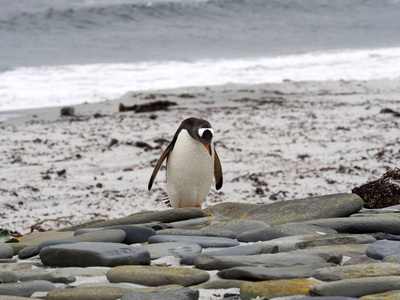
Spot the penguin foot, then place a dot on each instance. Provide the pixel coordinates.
(167, 202)
(198, 206)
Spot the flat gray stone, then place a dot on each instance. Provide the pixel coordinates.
(240, 226)
(45, 244)
(277, 231)
(165, 216)
(8, 276)
(26, 289)
(269, 289)
(291, 243)
(392, 258)
(88, 293)
(220, 284)
(110, 236)
(134, 234)
(28, 252)
(190, 224)
(7, 261)
(356, 271)
(239, 250)
(199, 232)
(104, 236)
(357, 287)
(156, 276)
(41, 274)
(361, 224)
(176, 249)
(85, 272)
(177, 292)
(350, 250)
(203, 241)
(325, 298)
(329, 206)
(6, 251)
(267, 260)
(263, 273)
(391, 295)
(360, 260)
(381, 249)
(86, 254)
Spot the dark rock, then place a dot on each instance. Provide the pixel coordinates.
(329, 206)
(156, 276)
(381, 249)
(203, 241)
(382, 192)
(28, 252)
(26, 289)
(85, 254)
(290, 229)
(48, 243)
(239, 250)
(134, 234)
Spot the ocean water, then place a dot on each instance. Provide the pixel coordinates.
(72, 51)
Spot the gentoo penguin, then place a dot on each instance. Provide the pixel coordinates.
(192, 162)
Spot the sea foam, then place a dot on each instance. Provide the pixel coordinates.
(33, 87)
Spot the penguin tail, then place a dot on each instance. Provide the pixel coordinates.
(167, 202)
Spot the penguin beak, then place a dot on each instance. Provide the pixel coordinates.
(208, 147)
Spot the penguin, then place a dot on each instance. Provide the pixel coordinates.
(192, 163)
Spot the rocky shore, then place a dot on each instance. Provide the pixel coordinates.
(325, 246)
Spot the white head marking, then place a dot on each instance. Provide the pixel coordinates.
(201, 131)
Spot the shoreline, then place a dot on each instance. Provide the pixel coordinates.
(276, 142)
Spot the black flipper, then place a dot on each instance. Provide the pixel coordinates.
(217, 171)
(159, 163)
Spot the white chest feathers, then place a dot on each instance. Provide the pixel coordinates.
(190, 171)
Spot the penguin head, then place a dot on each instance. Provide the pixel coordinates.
(200, 130)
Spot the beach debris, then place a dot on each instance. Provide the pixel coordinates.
(113, 143)
(382, 192)
(62, 172)
(144, 145)
(67, 111)
(148, 107)
(390, 111)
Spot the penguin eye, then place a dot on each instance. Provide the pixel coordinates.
(203, 130)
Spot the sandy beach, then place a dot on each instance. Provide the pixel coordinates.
(276, 142)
